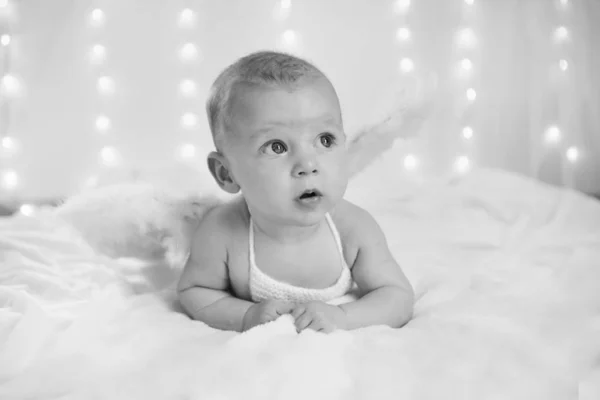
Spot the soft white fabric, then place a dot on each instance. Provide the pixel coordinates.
(264, 287)
(506, 275)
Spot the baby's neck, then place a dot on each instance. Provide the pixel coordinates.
(284, 233)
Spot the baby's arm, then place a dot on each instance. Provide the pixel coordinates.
(387, 296)
(204, 284)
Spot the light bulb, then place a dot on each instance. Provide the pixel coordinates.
(106, 85)
(564, 3)
(466, 64)
(187, 87)
(407, 65)
(10, 179)
(552, 135)
(98, 53)
(188, 52)
(189, 120)
(403, 34)
(10, 85)
(26, 209)
(467, 132)
(466, 37)
(561, 34)
(97, 17)
(572, 154)
(109, 156)
(471, 94)
(103, 123)
(462, 164)
(289, 37)
(469, 2)
(410, 162)
(401, 6)
(5, 40)
(8, 143)
(187, 151)
(187, 17)
(563, 65)
(285, 4)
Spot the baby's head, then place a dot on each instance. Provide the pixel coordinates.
(277, 127)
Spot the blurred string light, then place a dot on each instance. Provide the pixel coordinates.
(103, 123)
(97, 17)
(187, 18)
(572, 154)
(109, 156)
(106, 85)
(467, 132)
(289, 38)
(563, 65)
(8, 145)
(411, 162)
(187, 151)
(10, 179)
(469, 2)
(187, 87)
(552, 135)
(471, 95)
(407, 65)
(188, 52)
(462, 164)
(282, 10)
(27, 209)
(465, 38)
(98, 54)
(466, 64)
(189, 120)
(403, 34)
(401, 6)
(561, 34)
(10, 87)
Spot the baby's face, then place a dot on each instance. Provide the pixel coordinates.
(287, 151)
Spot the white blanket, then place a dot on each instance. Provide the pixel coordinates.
(507, 276)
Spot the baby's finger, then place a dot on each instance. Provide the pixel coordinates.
(284, 308)
(298, 311)
(316, 325)
(303, 321)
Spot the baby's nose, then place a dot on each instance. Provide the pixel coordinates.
(305, 168)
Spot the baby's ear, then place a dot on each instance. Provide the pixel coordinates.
(218, 168)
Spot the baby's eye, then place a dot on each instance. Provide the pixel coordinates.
(275, 147)
(327, 140)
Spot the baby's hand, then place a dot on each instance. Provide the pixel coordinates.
(265, 311)
(319, 316)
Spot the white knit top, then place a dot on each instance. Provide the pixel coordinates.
(263, 287)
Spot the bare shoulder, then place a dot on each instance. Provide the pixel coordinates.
(207, 263)
(354, 222)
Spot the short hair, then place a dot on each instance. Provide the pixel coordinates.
(269, 68)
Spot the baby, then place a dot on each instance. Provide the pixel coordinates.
(290, 244)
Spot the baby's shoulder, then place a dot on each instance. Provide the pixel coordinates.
(221, 222)
(353, 222)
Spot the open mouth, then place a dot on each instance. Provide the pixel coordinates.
(310, 194)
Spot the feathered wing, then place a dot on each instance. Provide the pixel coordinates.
(370, 143)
